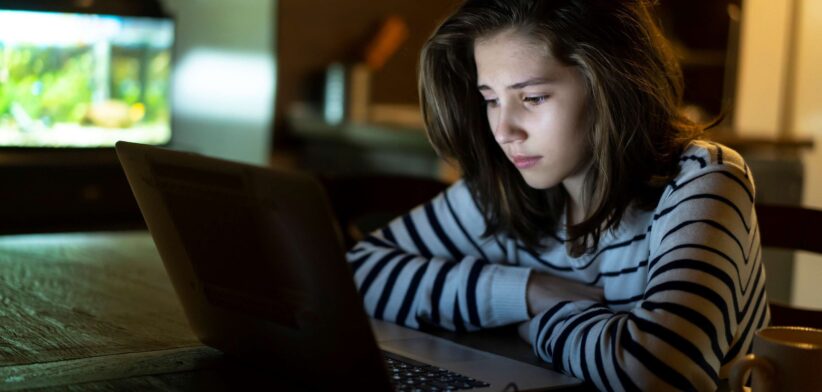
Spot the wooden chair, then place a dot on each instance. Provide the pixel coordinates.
(364, 203)
(793, 228)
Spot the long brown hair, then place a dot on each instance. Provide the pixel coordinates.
(634, 84)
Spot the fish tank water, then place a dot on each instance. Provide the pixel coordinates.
(84, 80)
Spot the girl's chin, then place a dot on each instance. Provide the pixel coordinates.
(538, 182)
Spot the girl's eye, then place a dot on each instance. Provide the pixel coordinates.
(491, 102)
(536, 100)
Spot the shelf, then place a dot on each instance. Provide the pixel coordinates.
(731, 139)
(371, 136)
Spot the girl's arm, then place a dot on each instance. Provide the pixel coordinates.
(705, 296)
(433, 266)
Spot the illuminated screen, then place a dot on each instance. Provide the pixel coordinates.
(81, 80)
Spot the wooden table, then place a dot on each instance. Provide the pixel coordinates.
(96, 311)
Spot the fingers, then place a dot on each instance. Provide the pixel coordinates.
(544, 291)
(523, 330)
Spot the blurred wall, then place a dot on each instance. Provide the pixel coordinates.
(225, 77)
(764, 67)
(762, 62)
(808, 121)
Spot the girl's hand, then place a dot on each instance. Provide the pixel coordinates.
(544, 291)
(522, 329)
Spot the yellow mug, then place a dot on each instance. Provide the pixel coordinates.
(784, 359)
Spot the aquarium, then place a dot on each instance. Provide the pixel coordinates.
(84, 80)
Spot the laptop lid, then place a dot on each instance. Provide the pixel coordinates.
(256, 261)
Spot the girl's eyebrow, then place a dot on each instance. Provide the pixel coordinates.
(520, 85)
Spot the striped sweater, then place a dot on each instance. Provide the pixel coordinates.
(684, 285)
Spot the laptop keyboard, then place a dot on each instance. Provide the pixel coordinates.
(409, 375)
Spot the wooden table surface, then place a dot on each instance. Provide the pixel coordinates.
(96, 311)
(81, 308)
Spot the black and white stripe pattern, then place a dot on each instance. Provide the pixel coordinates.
(684, 285)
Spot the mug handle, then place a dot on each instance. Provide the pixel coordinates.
(743, 366)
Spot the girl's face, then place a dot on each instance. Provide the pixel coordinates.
(536, 109)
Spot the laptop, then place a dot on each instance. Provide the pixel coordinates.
(256, 258)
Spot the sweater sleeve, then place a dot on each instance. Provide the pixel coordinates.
(704, 298)
(433, 265)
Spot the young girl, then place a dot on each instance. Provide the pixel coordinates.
(589, 210)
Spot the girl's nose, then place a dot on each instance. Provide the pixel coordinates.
(507, 129)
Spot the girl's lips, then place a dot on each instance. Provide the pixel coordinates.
(524, 162)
